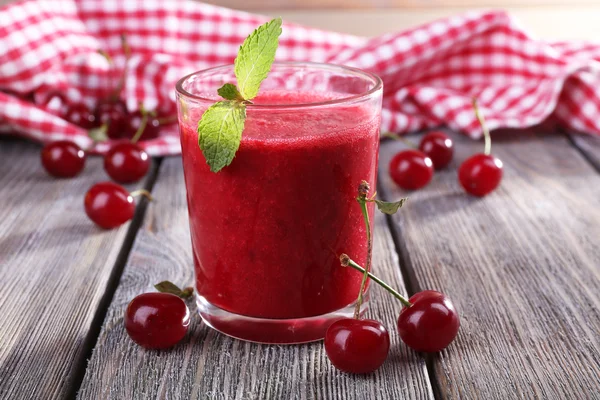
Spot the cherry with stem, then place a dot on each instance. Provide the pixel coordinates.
(428, 321)
(126, 161)
(357, 345)
(110, 205)
(481, 173)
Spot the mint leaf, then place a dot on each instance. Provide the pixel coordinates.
(230, 92)
(220, 132)
(389, 208)
(255, 57)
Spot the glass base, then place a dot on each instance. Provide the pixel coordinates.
(273, 331)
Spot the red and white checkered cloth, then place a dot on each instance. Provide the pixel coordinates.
(430, 73)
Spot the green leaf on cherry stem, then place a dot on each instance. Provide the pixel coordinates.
(389, 208)
(99, 134)
(170, 287)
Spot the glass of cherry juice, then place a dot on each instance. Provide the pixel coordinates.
(268, 229)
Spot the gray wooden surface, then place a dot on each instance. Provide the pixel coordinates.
(208, 365)
(589, 147)
(54, 270)
(522, 266)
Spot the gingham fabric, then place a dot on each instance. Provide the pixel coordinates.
(49, 59)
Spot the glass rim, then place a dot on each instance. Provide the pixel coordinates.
(377, 85)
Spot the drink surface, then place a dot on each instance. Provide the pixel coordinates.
(268, 229)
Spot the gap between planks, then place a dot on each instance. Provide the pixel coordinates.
(55, 266)
(520, 264)
(111, 285)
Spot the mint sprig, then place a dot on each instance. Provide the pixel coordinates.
(221, 126)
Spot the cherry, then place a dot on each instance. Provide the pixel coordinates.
(430, 324)
(439, 147)
(126, 162)
(481, 174)
(157, 320)
(357, 346)
(149, 131)
(63, 159)
(80, 115)
(112, 114)
(411, 169)
(109, 205)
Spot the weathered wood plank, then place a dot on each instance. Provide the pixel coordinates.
(589, 146)
(208, 365)
(54, 269)
(522, 266)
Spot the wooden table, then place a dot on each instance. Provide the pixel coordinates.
(522, 266)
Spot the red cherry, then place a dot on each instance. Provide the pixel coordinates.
(357, 346)
(480, 174)
(430, 324)
(411, 169)
(126, 162)
(63, 159)
(109, 205)
(114, 115)
(157, 320)
(151, 129)
(80, 115)
(439, 147)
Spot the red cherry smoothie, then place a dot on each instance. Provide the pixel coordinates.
(268, 229)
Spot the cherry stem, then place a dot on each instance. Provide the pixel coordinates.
(486, 133)
(363, 191)
(140, 130)
(127, 51)
(348, 262)
(105, 55)
(187, 292)
(404, 140)
(142, 192)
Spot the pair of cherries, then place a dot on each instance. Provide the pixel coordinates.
(479, 175)
(428, 322)
(125, 162)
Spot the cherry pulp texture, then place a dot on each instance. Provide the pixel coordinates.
(80, 115)
(113, 114)
(157, 320)
(357, 346)
(63, 159)
(109, 205)
(480, 174)
(126, 162)
(430, 324)
(439, 147)
(411, 169)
